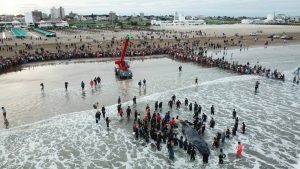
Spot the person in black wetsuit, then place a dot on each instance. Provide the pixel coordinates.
(135, 115)
(134, 100)
(170, 104)
(189, 150)
(98, 116)
(185, 145)
(212, 110)
(196, 80)
(199, 109)
(99, 80)
(186, 102)
(212, 123)
(158, 140)
(205, 157)
(160, 106)
(181, 142)
(203, 129)
(144, 83)
(107, 122)
(82, 85)
(103, 111)
(178, 103)
(204, 117)
(173, 98)
(234, 114)
(119, 100)
(66, 85)
(193, 154)
(128, 111)
(42, 86)
(195, 107)
(156, 105)
(256, 86)
(180, 68)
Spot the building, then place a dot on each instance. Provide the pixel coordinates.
(179, 20)
(54, 13)
(295, 18)
(112, 16)
(45, 24)
(57, 13)
(6, 17)
(37, 15)
(61, 13)
(45, 16)
(62, 24)
(142, 15)
(29, 18)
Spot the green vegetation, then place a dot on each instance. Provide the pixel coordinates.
(217, 20)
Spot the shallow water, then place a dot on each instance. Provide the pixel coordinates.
(73, 140)
(25, 103)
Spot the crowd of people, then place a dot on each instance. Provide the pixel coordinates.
(188, 51)
(163, 128)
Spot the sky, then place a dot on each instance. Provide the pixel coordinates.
(157, 7)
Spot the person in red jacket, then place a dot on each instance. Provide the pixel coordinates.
(239, 150)
(172, 122)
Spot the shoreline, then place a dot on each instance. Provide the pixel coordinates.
(110, 59)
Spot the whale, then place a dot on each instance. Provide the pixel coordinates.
(192, 136)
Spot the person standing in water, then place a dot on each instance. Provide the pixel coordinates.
(107, 120)
(103, 111)
(233, 114)
(212, 110)
(144, 83)
(140, 84)
(66, 85)
(134, 100)
(4, 112)
(256, 86)
(196, 80)
(82, 85)
(221, 156)
(239, 150)
(180, 68)
(42, 86)
(243, 128)
(98, 116)
(193, 154)
(128, 111)
(119, 100)
(92, 83)
(99, 80)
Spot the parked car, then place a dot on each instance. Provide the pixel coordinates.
(286, 37)
(276, 36)
(253, 34)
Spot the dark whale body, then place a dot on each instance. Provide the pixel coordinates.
(193, 137)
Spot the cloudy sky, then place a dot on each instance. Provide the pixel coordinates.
(157, 7)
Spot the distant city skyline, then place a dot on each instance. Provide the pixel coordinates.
(156, 7)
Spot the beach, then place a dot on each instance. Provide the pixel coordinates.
(55, 127)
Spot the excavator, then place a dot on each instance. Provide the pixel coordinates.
(122, 70)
